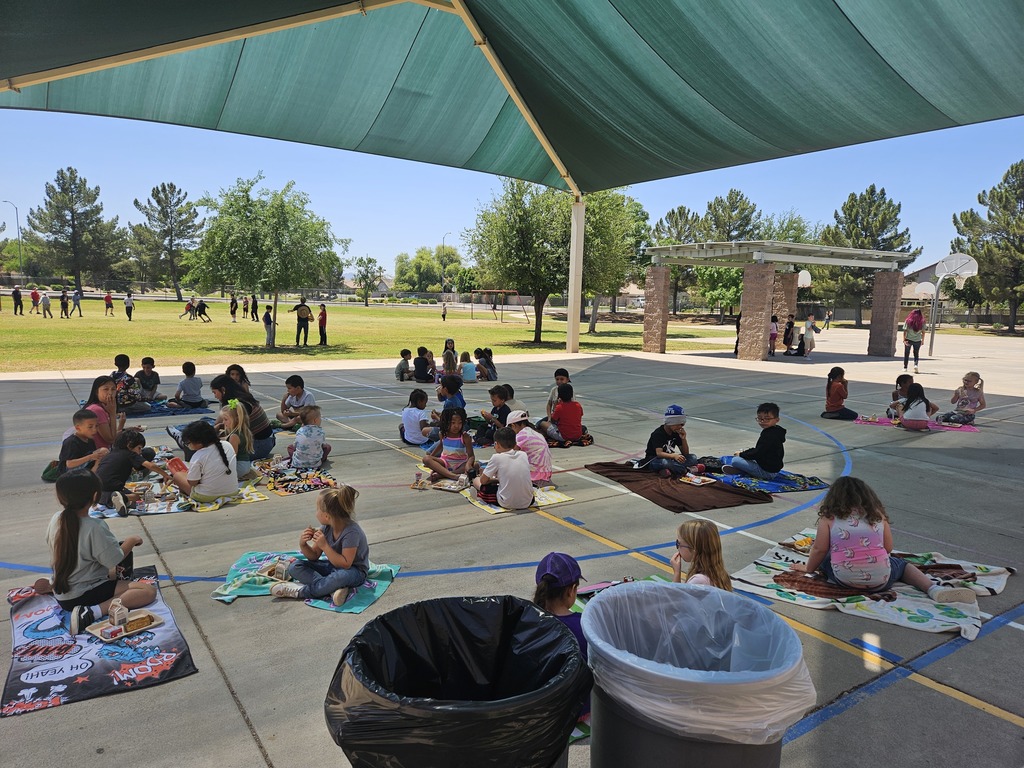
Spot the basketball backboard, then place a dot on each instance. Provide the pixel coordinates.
(957, 264)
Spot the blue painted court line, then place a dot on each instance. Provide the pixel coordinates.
(894, 676)
(881, 652)
(574, 521)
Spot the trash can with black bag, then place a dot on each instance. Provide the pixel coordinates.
(458, 681)
(689, 676)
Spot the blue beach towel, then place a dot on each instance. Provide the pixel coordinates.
(784, 482)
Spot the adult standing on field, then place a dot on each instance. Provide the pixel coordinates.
(303, 314)
(255, 309)
(19, 306)
(129, 305)
(233, 308)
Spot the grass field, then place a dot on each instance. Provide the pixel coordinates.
(33, 343)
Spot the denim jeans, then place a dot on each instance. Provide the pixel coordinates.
(751, 468)
(675, 467)
(322, 579)
(262, 448)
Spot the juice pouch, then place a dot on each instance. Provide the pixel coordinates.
(176, 465)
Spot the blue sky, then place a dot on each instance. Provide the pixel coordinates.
(389, 206)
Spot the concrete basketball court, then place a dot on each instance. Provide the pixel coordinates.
(264, 664)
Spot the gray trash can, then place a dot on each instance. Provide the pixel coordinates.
(691, 676)
(458, 681)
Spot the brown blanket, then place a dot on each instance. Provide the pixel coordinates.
(819, 587)
(674, 495)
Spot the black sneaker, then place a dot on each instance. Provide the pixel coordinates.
(120, 505)
(175, 435)
(81, 617)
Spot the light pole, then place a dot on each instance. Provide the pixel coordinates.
(17, 220)
(442, 263)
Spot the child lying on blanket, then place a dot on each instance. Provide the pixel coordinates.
(340, 541)
(853, 542)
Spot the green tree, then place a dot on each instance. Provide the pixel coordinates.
(996, 240)
(70, 223)
(511, 244)
(424, 269)
(678, 227)
(403, 276)
(465, 280)
(367, 276)
(175, 224)
(266, 241)
(727, 219)
(870, 221)
(970, 296)
(449, 263)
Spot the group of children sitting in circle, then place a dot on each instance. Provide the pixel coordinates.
(424, 369)
(910, 408)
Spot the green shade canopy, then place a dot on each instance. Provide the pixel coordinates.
(615, 91)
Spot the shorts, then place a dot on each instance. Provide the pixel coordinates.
(772, 336)
(918, 425)
(455, 467)
(488, 493)
(205, 498)
(94, 596)
(896, 568)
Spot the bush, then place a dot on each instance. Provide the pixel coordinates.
(57, 287)
(963, 325)
(414, 301)
(997, 326)
(431, 301)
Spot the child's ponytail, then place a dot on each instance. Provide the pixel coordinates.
(547, 594)
(417, 399)
(76, 490)
(835, 373)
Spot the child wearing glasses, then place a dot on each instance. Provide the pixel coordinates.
(700, 547)
(764, 460)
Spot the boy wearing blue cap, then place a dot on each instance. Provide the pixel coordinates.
(668, 452)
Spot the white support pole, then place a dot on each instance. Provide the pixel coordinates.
(572, 324)
(935, 314)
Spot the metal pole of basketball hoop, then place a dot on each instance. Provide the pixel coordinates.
(959, 266)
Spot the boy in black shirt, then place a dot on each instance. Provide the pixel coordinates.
(764, 460)
(668, 452)
(149, 380)
(116, 468)
(421, 367)
(79, 449)
(495, 419)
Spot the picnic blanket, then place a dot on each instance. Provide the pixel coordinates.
(244, 580)
(285, 481)
(247, 494)
(585, 440)
(161, 409)
(674, 495)
(542, 497)
(904, 605)
(933, 426)
(50, 667)
(784, 482)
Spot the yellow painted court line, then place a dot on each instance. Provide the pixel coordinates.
(966, 698)
(602, 539)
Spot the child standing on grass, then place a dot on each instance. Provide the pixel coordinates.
(189, 393)
(309, 451)
(969, 399)
(321, 324)
(668, 452)
(268, 325)
(108, 305)
(506, 480)
(415, 424)
(764, 460)
(915, 412)
(534, 445)
(853, 544)
(700, 547)
(336, 554)
(296, 399)
(85, 553)
(452, 457)
(212, 470)
(235, 419)
(836, 392)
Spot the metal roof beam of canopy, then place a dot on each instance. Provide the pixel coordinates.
(205, 41)
(745, 253)
(575, 288)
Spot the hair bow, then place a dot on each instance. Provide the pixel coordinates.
(232, 403)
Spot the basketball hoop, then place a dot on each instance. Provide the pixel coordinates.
(960, 281)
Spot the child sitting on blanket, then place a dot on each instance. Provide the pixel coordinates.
(699, 546)
(235, 420)
(309, 451)
(149, 380)
(668, 452)
(506, 480)
(296, 399)
(968, 399)
(534, 445)
(853, 543)
(558, 577)
(899, 395)
(212, 470)
(115, 469)
(86, 555)
(452, 457)
(190, 389)
(915, 412)
(764, 460)
(337, 553)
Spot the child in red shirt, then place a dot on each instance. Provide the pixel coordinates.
(566, 422)
(321, 321)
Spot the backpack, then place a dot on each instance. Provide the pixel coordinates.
(129, 390)
(50, 474)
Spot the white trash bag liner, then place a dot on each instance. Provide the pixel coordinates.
(697, 661)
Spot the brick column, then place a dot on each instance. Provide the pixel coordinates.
(784, 297)
(656, 295)
(885, 307)
(756, 306)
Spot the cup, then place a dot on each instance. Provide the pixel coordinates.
(700, 469)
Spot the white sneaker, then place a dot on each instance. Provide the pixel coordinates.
(340, 596)
(915, 369)
(287, 589)
(943, 594)
(119, 503)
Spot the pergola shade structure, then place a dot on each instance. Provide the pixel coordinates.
(582, 95)
(767, 293)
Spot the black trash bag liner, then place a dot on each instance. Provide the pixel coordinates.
(458, 681)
